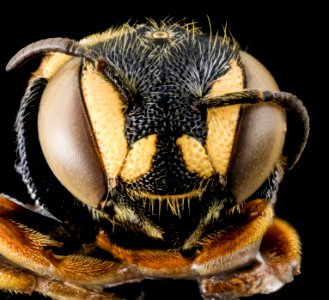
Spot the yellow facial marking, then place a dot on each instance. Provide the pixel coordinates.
(105, 109)
(232, 81)
(195, 156)
(212, 215)
(139, 159)
(222, 121)
(51, 64)
(127, 216)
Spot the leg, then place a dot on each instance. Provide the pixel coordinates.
(27, 263)
(278, 263)
(18, 281)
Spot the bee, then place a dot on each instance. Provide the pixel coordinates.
(152, 151)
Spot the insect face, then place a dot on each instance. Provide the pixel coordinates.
(168, 141)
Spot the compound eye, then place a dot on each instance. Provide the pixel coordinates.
(260, 135)
(258, 146)
(66, 137)
(257, 76)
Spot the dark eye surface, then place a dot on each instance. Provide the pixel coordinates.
(260, 135)
(259, 143)
(66, 137)
(257, 76)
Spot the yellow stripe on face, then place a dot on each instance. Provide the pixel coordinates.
(105, 109)
(51, 64)
(222, 121)
(139, 159)
(232, 81)
(195, 156)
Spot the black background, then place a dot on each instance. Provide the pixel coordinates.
(290, 42)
